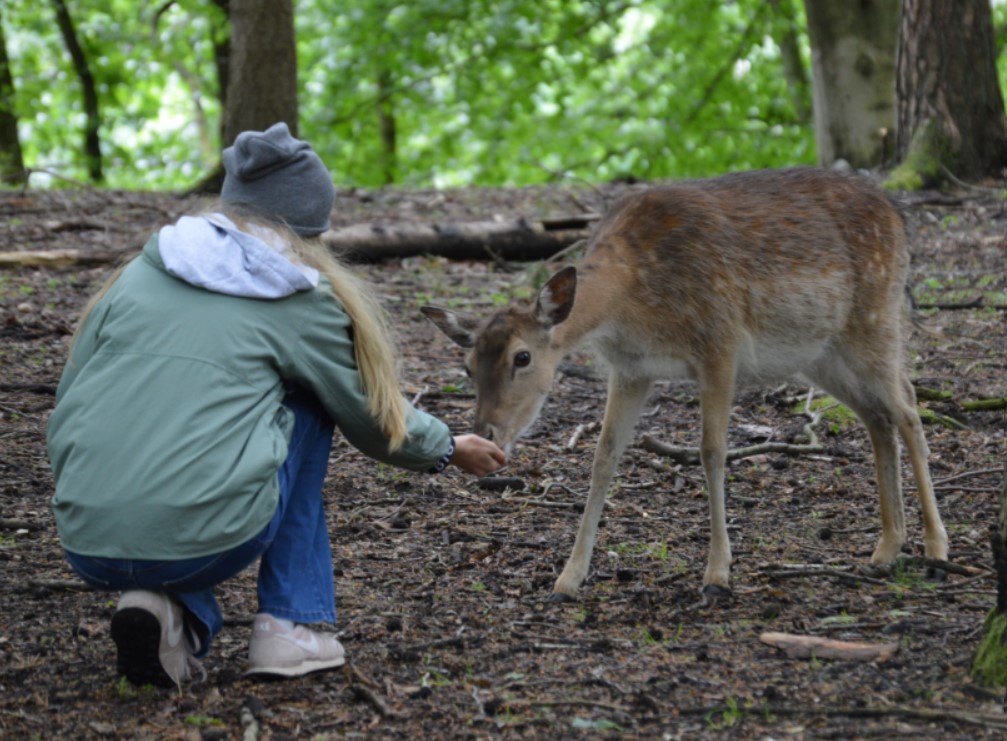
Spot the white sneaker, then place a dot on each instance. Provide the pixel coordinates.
(152, 643)
(281, 648)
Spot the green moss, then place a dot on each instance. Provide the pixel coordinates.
(990, 664)
(922, 165)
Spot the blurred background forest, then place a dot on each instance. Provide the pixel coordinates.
(439, 93)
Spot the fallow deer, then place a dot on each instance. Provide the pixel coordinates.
(748, 277)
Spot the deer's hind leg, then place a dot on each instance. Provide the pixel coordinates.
(716, 391)
(935, 537)
(881, 396)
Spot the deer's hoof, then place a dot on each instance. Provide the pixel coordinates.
(714, 594)
(935, 573)
(558, 598)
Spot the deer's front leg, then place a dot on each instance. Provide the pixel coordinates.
(622, 409)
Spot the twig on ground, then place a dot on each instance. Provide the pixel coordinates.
(786, 572)
(966, 474)
(361, 685)
(690, 456)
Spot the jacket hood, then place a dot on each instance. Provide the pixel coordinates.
(212, 253)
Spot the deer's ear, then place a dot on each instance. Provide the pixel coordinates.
(460, 328)
(555, 300)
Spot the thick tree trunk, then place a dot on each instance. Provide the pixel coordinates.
(262, 69)
(11, 162)
(950, 106)
(853, 78)
(92, 142)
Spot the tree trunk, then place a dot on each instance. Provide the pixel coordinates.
(990, 664)
(950, 106)
(92, 142)
(262, 69)
(853, 78)
(785, 31)
(387, 126)
(11, 162)
(222, 61)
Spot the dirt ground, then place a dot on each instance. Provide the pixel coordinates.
(443, 586)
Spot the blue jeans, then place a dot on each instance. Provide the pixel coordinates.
(295, 571)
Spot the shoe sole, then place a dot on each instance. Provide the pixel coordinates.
(305, 667)
(137, 636)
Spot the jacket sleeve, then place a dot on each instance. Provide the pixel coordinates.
(325, 363)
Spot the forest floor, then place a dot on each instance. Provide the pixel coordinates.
(443, 586)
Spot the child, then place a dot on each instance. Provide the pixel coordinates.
(195, 416)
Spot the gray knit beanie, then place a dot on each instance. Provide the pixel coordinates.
(273, 173)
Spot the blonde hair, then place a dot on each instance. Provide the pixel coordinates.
(373, 340)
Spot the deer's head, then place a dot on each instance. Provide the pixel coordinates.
(512, 357)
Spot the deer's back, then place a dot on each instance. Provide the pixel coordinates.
(779, 261)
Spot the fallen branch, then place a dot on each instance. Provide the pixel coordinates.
(791, 572)
(929, 394)
(8, 523)
(996, 721)
(973, 303)
(931, 417)
(360, 686)
(817, 647)
(690, 456)
(985, 405)
(933, 563)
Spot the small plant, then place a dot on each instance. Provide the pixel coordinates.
(726, 717)
(124, 690)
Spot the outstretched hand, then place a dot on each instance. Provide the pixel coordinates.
(477, 455)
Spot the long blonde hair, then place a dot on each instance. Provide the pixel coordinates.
(373, 340)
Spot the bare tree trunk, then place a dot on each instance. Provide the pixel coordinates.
(386, 123)
(11, 161)
(262, 69)
(989, 666)
(999, 542)
(853, 72)
(92, 142)
(222, 62)
(950, 106)
(785, 32)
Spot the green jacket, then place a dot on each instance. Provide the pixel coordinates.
(169, 431)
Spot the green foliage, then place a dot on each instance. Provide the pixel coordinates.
(480, 91)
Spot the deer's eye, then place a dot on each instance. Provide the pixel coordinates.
(522, 359)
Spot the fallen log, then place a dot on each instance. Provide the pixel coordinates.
(518, 240)
(57, 258)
